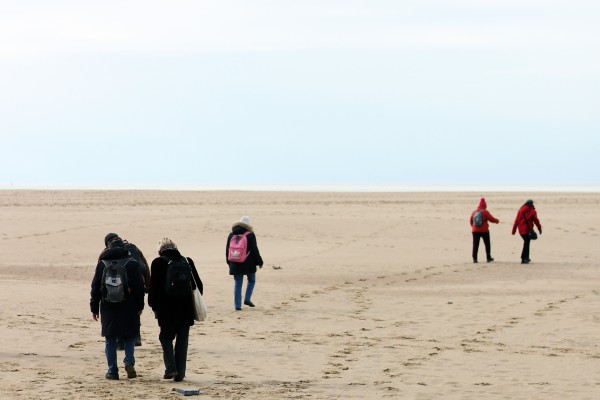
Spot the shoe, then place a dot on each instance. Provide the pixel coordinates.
(178, 378)
(170, 374)
(249, 303)
(525, 261)
(130, 371)
(490, 259)
(238, 309)
(474, 261)
(114, 377)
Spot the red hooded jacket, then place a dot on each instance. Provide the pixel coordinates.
(526, 217)
(487, 216)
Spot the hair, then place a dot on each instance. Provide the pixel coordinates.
(166, 244)
(110, 237)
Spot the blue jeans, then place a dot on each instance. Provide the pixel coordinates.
(237, 289)
(111, 353)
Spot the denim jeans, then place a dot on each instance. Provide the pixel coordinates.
(237, 289)
(175, 358)
(111, 353)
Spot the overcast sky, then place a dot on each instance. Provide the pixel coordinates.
(300, 92)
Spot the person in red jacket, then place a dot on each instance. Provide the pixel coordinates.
(526, 218)
(480, 229)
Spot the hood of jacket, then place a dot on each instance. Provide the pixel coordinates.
(114, 253)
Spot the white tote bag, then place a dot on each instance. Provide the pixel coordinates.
(198, 305)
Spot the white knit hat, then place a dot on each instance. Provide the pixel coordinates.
(245, 219)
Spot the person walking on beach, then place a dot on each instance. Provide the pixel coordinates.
(242, 256)
(117, 295)
(137, 255)
(526, 218)
(173, 279)
(480, 229)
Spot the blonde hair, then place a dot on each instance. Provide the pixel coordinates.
(166, 244)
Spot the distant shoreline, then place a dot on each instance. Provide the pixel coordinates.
(316, 188)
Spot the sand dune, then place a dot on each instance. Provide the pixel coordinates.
(363, 296)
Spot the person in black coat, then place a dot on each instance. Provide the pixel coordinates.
(137, 254)
(118, 319)
(247, 267)
(175, 314)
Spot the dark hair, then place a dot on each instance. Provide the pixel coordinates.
(109, 238)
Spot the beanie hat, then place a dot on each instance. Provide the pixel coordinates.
(245, 219)
(529, 202)
(109, 238)
(482, 204)
(166, 244)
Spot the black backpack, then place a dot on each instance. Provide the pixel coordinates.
(179, 278)
(114, 285)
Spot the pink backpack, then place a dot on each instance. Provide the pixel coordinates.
(238, 248)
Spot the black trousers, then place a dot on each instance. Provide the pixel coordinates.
(175, 358)
(526, 242)
(486, 241)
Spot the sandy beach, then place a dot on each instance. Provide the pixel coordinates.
(363, 296)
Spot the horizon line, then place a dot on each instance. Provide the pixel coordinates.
(347, 188)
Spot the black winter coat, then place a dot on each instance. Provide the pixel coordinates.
(136, 253)
(253, 259)
(122, 319)
(171, 310)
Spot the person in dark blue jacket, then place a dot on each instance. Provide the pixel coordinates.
(118, 319)
(247, 267)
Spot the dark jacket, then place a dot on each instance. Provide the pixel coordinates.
(122, 319)
(526, 217)
(137, 254)
(253, 259)
(171, 310)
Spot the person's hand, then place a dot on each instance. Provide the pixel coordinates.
(140, 312)
(540, 231)
(95, 317)
(260, 266)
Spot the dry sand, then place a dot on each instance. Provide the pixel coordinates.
(374, 296)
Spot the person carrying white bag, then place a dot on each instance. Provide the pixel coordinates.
(174, 279)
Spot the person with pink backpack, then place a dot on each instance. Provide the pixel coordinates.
(242, 257)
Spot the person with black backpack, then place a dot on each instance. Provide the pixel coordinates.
(117, 296)
(136, 254)
(480, 229)
(173, 278)
(242, 257)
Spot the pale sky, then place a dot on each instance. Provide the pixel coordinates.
(294, 92)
